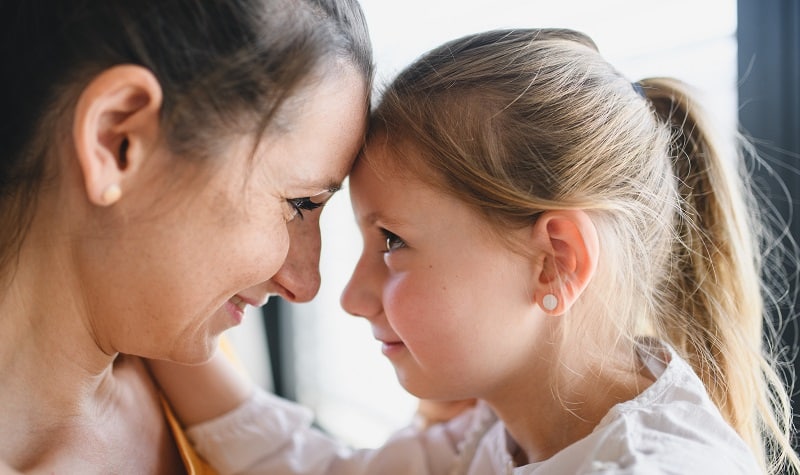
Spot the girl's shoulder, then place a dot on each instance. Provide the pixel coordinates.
(671, 427)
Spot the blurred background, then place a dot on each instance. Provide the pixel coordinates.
(743, 56)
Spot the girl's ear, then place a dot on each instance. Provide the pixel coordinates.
(568, 252)
(116, 125)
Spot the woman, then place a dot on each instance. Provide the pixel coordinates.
(156, 169)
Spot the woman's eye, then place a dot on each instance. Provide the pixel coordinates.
(393, 241)
(301, 204)
(308, 203)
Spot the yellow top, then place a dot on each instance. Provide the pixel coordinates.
(194, 463)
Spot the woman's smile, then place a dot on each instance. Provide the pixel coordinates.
(236, 307)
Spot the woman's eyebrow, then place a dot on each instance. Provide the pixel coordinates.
(327, 186)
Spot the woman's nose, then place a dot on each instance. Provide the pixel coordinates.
(298, 279)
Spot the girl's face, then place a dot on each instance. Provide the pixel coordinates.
(183, 271)
(450, 302)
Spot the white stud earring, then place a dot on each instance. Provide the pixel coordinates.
(549, 302)
(111, 194)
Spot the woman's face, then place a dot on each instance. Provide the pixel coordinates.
(450, 302)
(183, 269)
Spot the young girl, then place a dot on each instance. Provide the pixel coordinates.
(568, 248)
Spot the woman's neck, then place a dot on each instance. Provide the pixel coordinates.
(54, 373)
(544, 417)
(70, 402)
(69, 408)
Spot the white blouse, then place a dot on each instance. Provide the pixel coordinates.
(670, 428)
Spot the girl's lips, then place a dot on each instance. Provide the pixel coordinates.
(390, 348)
(390, 343)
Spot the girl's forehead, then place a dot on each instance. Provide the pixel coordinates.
(383, 174)
(393, 158)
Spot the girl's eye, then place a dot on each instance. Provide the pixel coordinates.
(393, 241)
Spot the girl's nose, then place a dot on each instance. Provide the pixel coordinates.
(362, 295)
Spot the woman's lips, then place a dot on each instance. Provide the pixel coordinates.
(239, 302)
(235, 307)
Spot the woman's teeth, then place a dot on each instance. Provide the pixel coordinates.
(236, 300)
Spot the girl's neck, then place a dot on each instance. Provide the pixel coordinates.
(544, 418)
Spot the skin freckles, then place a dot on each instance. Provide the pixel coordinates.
(157, 273)
(182, 292)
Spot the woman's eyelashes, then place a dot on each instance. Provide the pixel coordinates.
(309, 203)
(302, 204)
(392, 241)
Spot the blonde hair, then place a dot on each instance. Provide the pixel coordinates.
(517, 122)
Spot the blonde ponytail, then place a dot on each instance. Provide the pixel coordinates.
(713, 306)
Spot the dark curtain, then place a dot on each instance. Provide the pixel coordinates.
(768, 38)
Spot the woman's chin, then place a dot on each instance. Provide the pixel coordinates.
(193, 353)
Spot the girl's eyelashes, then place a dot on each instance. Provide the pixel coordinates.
(393, 242)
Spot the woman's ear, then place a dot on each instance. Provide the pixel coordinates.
(568, 252)
(116, 125)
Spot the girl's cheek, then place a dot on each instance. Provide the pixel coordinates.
(393, 298)
(402, 298)
(399, 261)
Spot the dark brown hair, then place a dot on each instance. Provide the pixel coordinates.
(224, 66)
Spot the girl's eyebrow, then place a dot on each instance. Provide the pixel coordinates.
(376, 216)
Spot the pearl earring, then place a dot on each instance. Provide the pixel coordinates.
(111, 194)
(549, 302)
